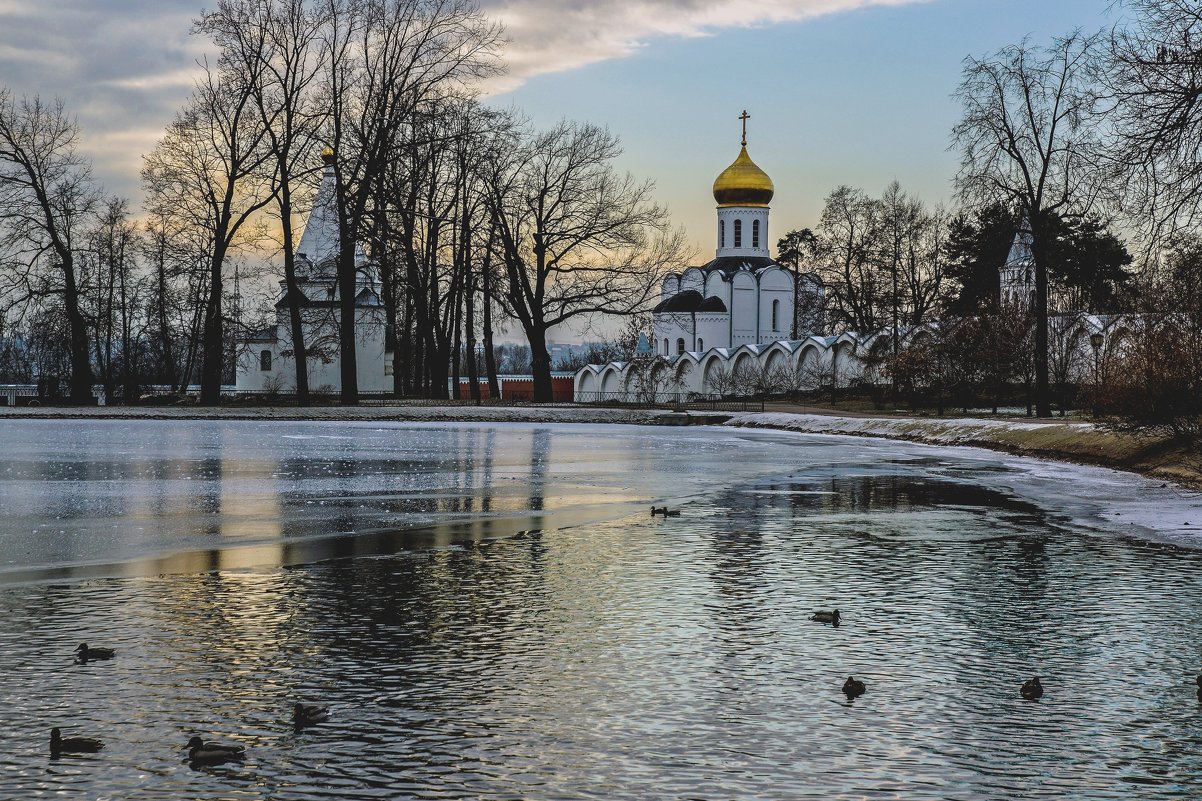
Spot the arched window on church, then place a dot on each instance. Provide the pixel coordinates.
(679, 346)
(701, 346)
(721, 233)
(265, 360)
(775, 315)
(755, 234)
(666, 346)
(738, 233)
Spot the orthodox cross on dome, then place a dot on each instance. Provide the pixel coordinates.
(744, 117)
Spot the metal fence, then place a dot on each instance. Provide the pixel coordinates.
(679, 401)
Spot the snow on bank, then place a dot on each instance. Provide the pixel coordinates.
(941, 430)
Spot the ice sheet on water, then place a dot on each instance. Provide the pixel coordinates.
(107, 492)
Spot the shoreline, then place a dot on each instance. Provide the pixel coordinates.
(1067, 441)
(1075, 442)
(432, 413)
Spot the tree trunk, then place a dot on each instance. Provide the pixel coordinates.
(490, 358)
(1043, 404)
(128, 380)
(540, 365)
(346, 326)
(81, 366)
(293, 297)
(456, 361)
(473, 374)
(164, 331)
(213, 344)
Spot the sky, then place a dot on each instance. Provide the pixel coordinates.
(852, 92)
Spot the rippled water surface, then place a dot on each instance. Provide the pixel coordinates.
(491, 613)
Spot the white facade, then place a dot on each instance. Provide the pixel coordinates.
(742, 231)
(264, 359)
(741, 297)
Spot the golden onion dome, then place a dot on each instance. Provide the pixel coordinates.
(327, 155)
(743, 184)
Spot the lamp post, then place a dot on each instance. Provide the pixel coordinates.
(1095, 341)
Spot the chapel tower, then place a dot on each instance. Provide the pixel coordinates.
(1016, 278)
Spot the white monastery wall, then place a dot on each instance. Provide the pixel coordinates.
(816, 356)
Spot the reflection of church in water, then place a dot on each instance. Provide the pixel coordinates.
(742, 296)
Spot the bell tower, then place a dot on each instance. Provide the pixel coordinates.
(743, 192)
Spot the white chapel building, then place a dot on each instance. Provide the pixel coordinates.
(742, 296)
(265, 362)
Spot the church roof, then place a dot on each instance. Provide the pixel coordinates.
(366, 298)
(729, 265)
(320, 239)
(1020, 251)
(743, 183)
(691, 301)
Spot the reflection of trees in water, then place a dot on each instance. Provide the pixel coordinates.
(490, 442)
(540, 452)
(898, 492)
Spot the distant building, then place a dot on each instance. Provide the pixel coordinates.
(562, 352)
(265, 361)
(1016, 278)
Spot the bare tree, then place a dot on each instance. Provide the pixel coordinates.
(388, 63)
(575, 237)
(207, 173)
(720, 381)
(848, 235)
(1064, 355)
(275, 44)
(1152, 69)
(115, 297)
(652, 378)
(1028, 138)
(47, 198)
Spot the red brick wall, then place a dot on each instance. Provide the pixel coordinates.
(465, 390)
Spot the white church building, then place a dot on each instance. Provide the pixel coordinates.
(741, 297)
(265, 358)
(735, 315)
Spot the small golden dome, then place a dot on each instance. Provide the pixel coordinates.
(327, 155)
(743, 184)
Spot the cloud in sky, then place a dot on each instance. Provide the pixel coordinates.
(554, 36)
(125, 66)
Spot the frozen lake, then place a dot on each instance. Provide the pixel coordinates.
(492, 613)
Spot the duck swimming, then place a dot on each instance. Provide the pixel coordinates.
(212, 753)
(665, 511)
(853, 688)
(831, 617)
(1032, 690)
(72, 745)
(309, 714)
(83, 653)
(1200, 688)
